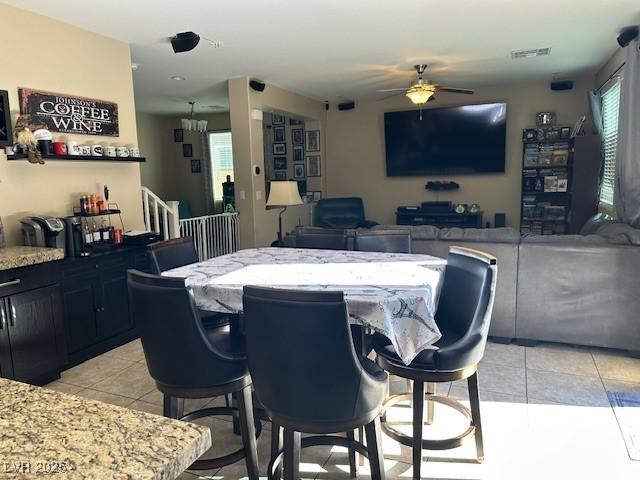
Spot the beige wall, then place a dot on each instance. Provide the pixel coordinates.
(614, 63)
(356, 160)
(50, 55)
(167, 172)
(258, 226)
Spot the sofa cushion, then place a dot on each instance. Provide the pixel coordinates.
(500, 235)
(618, 239)
(418, 232)
(594, 223)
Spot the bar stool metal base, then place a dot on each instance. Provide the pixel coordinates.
(233, 457)
(440, 444)
(314, 441)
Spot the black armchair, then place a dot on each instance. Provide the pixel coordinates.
(308, 377)
(187, 361)
(341, 213)
(463, 316)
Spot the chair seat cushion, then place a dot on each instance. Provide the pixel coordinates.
(373, 369)
(213, 319)
(425, 360)
(222, 339)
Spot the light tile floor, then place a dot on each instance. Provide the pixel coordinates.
(545, 413)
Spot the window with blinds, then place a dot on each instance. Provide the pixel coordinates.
(610, 109)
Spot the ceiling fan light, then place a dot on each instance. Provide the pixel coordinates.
(419, 94)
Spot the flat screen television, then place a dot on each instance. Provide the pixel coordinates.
(450, 140)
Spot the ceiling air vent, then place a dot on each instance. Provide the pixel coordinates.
(536, 52)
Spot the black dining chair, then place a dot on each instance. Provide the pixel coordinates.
(322, 238)
(186, 361)
(390, 241)
(179, 252)
(308, 377)
(463, 317)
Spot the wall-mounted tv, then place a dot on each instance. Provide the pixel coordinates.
(450, 140)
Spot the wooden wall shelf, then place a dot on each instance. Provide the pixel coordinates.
(81, 158)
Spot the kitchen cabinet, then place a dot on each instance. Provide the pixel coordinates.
(32, 342)
(96, 302)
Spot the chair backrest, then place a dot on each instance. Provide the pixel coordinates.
(173, 253)
(175, 344)
(339, 213)
(391, 241)
(324, 238)
(301, 356)
(466, 300)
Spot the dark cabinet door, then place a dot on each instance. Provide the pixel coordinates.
(36, 332)
(81, 296)
(6, 366)
(114, 316)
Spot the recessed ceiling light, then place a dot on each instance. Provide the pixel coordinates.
(134, 66)
(178, 78)
(536, 52)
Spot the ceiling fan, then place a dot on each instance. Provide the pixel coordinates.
(422, 92)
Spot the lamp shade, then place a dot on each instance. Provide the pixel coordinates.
(283, 194)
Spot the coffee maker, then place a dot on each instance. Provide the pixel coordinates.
(43, 232)
(75, 246)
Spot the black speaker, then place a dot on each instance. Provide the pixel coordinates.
(500, 220)
(326, 105)
(257, 85)
(560, 86)
(185, 42)
(346, 106)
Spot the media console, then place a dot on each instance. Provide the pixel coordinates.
(405, 216)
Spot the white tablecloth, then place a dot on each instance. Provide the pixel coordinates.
(394, 294)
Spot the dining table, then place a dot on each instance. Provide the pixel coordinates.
(394, 294)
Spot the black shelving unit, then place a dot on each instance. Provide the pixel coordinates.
(81, 158)
(547, 180)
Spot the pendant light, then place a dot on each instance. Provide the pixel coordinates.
(191, 124)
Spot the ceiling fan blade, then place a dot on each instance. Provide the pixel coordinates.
(454, 90)
(392, 90)
(389, 96)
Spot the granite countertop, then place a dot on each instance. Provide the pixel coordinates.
(16, 257)
(53, 435)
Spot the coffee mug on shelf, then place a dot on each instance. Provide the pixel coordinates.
(122, 151)
(109, 151)
(73, 148)
(135, 151)
(96, 150)
(59, 148)
(85, 150)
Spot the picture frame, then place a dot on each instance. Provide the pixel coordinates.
(297, 136)
(279, 163)
(279, 134)
(280, 176)
(178, 135)
(277, 119)
(302, 187)
(6, 133)
(313, 166)
(279, 148)
(299, 171)
(196, 165)
(298, 153)
(187, 150)
(312, 140)
(295, 121)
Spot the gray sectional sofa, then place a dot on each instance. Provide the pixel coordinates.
(578, 289)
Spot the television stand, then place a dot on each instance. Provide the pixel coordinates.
(439, 219)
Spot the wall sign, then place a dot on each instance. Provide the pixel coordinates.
(69, 114)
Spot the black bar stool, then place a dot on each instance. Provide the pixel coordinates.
(463, 316)
(308, 377)
(187, 361)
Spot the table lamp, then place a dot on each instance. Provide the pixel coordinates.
(282, 195)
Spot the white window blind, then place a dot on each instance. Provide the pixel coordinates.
(610, 109)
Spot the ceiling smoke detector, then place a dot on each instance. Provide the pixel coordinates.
(536, 52)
